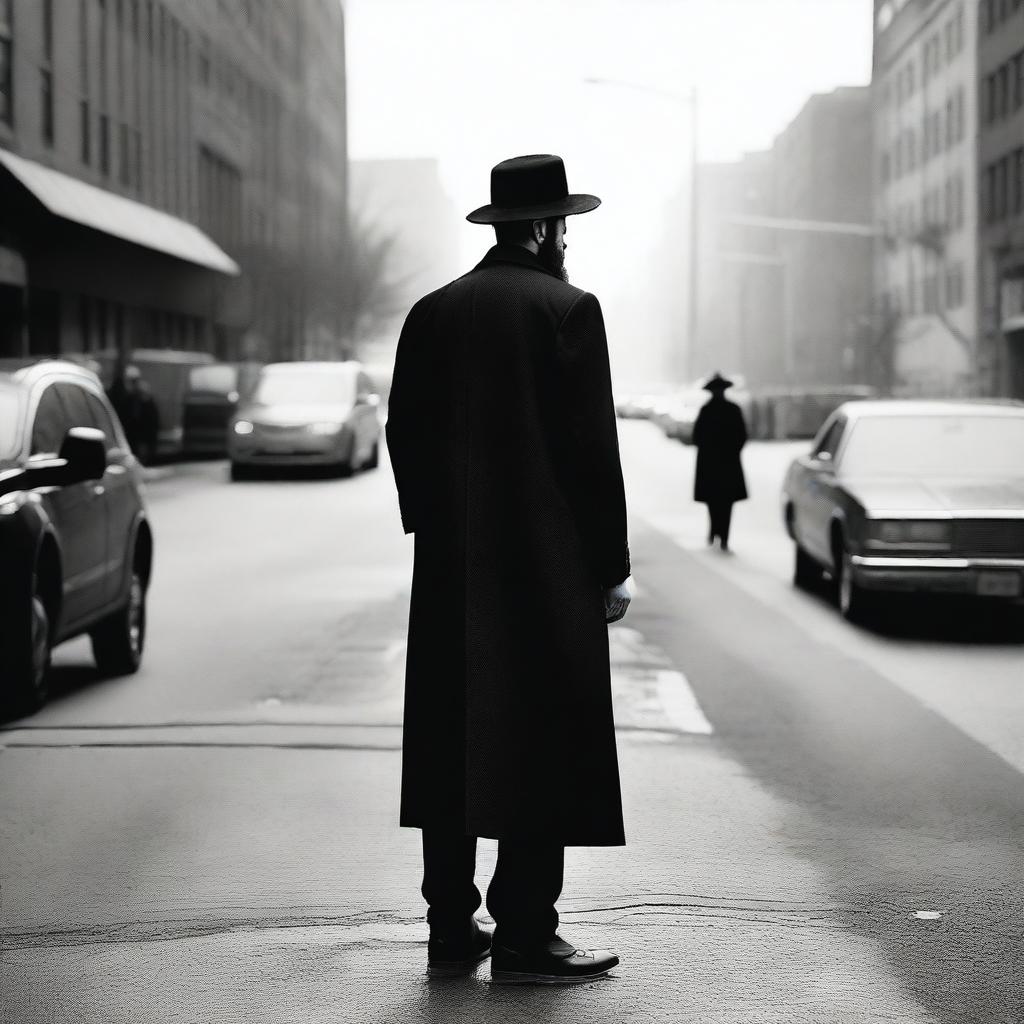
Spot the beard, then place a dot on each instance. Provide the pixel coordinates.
(553, 256)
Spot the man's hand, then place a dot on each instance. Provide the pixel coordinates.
(617, 598)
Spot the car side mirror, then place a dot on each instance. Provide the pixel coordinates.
(825, 458)
(84, 450)
(83, 456)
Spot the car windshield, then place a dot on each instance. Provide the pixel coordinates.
(935, 446)
(10, 421)
(221, 379)
(320, 386)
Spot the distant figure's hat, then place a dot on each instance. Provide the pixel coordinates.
(717, 383)
(531, 188)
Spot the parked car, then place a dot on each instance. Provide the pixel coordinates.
(307, 414)
(911, 496)
(167, 372)
(76, 549)
(213, 395)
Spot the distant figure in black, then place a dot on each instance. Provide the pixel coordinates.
(502, 435)
(719, 434)
(136, 409)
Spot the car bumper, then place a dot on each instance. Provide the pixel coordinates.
(985, 577)
(307, 450)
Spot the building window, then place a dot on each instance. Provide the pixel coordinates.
(46, 103)
(46, 75)
(954, 286)
(125, 176)
(6, 68)
(999, 204)
(86, 131)
(204, 63)
(104, 144)
(47, 13)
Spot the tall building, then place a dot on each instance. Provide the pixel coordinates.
(924, 99)
(739, 308)
(172, 173)
(1001, 168)
(822, 173)
(784, 291)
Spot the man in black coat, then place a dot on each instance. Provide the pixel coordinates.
(719, 434)
(502, 435)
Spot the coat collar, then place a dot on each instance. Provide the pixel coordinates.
(514, 254)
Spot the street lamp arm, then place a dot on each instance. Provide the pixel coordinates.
(679, 97)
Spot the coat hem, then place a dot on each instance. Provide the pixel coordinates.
(494, 834)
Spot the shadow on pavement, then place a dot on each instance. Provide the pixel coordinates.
(937, 619)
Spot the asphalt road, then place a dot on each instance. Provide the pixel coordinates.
(825, 823)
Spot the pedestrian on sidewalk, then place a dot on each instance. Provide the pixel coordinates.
(719, 434)
(136, 408)
(501, 430)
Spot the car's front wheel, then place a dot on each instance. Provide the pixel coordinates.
(118, 641)
(854, 601)
(28, 658)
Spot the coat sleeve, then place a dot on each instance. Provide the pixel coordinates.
(597, 493)
(404, 428)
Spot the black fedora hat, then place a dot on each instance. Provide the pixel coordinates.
(530, 188)
(717, 383)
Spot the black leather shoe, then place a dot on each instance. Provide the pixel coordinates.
(555, 962)
(452, 955)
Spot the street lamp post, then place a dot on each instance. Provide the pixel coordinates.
(690, 100)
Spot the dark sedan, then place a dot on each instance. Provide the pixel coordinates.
(75, 544)
(911, 496)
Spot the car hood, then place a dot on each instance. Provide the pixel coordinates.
(938, 495)
(296, 414)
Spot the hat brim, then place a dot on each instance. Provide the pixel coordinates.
(719, 384)
(491, 214)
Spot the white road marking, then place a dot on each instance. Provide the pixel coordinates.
(651, 695)
(680, 703)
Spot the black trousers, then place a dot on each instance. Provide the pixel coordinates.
(720, 514)
(521, 897)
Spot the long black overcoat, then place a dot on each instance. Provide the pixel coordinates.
(501, 431)
(719, 433)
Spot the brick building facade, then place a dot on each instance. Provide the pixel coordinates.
(171, 174)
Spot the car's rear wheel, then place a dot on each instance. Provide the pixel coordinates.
(854, 601)
(374, 460)
(240, 472)
(806, 571)
(118, 641)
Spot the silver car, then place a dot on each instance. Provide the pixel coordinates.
(911, 496)
(307, 414)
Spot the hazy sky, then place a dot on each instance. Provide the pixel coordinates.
(473, 81)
